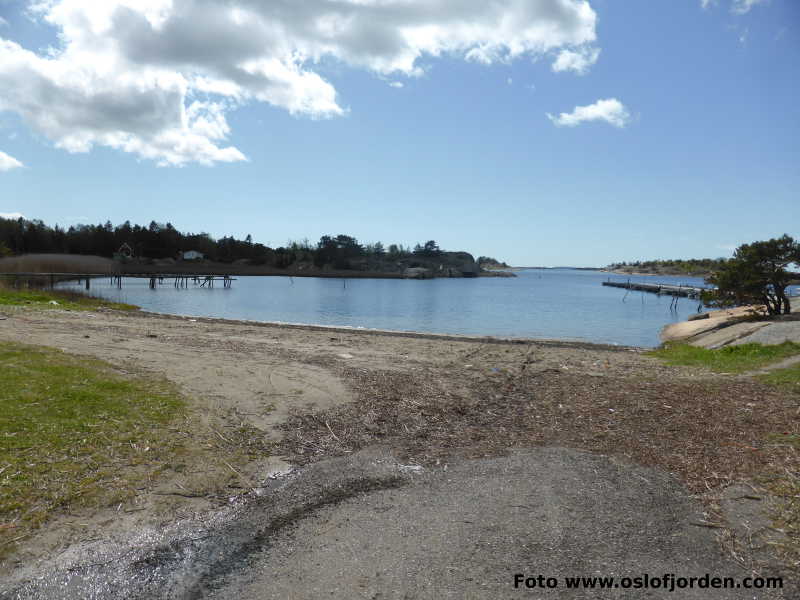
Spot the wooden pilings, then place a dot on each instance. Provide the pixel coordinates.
(51, 279)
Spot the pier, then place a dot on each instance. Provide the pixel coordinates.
(669, 289)
(181, 280)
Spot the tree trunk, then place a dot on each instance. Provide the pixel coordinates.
(782, 303)
(787, 307)
(770, 304)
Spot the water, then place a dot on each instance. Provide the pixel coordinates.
(564, 304)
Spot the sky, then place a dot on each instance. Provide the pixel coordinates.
(539, 132)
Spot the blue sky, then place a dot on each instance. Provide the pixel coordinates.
(556, 132)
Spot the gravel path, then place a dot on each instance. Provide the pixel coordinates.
(366, 526)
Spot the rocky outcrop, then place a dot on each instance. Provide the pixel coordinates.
(732, 326)
(417, 273)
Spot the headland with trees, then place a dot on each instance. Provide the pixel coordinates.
(161, 248)
(692, 267)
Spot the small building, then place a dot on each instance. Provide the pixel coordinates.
(124, 254)
(192, 255)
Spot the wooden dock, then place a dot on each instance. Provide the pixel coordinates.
(668, 289)
(181, 280)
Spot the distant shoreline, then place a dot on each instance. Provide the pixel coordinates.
(98, 267)
(264, 271)
(665, 274)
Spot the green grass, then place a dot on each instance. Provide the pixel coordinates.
(729, 359)
(788, 379)
(65, 300)
(74, 433)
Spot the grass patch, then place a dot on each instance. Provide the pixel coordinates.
(729, 359)
(65, 300)
(74, 433)
(787, 379)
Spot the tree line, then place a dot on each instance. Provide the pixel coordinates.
(691, 265)
(161, 241)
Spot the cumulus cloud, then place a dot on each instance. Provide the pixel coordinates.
(3, 22)
(12, 215)
(396, 84)
(8, 162)
(156, 78)
(577, 61)
(610, 110)
(741, 7)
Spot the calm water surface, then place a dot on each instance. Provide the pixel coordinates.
(538, 303)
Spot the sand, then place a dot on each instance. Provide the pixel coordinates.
(260, 372)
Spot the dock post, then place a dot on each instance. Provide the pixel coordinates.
(87, 283)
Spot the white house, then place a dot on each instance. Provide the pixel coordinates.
(192, 255)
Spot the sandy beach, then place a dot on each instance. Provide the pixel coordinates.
(315, 393)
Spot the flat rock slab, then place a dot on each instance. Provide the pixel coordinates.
(686, 329)
(727, 335)
(777, 333)
(367, 527)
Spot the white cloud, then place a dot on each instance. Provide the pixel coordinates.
(577, 61)
(157, 77)
(741, 7)
(707, 3)
(396, 84)
(13, 215)
(3, 22)
(611, 110)
(8, 162)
